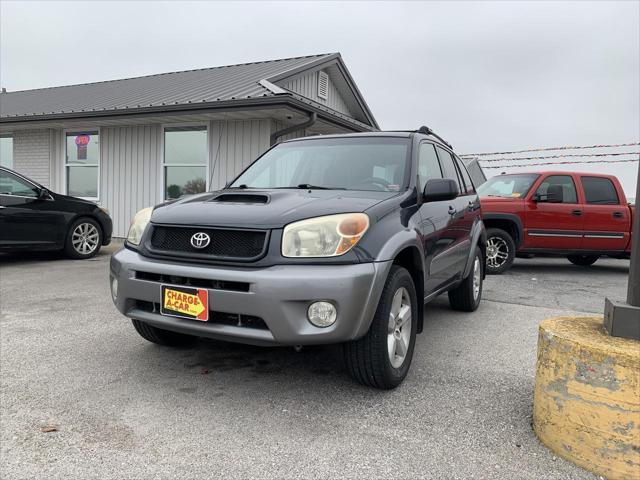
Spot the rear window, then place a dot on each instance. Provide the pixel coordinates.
(600, 191)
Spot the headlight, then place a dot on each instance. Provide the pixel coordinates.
(138, 224)
(328, 236)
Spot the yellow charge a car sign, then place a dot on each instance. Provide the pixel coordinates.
(183, 302)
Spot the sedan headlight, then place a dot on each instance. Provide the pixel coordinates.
(327, 236)
(138, 224)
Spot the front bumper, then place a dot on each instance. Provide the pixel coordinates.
(279, 295)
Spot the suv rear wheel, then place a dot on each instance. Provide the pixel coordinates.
(501, 251)
(382, 358)
(466, 296)
(583, 260)
(162, 337)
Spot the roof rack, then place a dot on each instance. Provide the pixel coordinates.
(427, 131)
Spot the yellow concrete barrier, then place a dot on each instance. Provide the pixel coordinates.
(586, 404)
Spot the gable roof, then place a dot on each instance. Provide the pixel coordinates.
(213, 87)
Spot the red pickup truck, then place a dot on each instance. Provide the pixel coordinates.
(575, 214)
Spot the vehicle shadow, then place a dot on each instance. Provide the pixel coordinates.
(17, 258)
(557, 266)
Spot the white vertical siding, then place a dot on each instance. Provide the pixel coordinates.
(307, 85)
(234, 145)
(130, 160)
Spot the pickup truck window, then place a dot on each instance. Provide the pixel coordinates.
(367, 164)
(558, 189)
(599, 191)
(516, 186)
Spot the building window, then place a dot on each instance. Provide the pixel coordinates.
(6, 151)
(185, 161)
(83, 164)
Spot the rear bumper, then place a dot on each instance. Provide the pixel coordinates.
(279, 295)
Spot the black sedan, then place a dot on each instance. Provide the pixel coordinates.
(34, 218)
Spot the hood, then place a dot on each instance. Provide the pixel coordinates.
(263, 208)
(76, 200)
(488, 199)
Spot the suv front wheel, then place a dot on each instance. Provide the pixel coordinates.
(382, 358)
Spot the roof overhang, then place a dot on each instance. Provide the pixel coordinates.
(275, 106)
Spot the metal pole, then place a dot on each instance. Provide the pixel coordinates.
(633, 290)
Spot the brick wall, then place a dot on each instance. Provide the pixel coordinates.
(31, 152)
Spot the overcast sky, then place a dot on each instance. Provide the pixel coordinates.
(487, 76)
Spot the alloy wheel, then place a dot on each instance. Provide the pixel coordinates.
(497, 252)
(399, 331)
(85, 238)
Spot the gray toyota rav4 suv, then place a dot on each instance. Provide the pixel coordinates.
(326, 239)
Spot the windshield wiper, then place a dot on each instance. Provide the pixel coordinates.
(242, 187)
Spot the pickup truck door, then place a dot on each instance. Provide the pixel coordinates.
(554, 215)
(607, 218)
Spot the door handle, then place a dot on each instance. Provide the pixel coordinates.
(576, 213)
(2, 206)
(617, 215)
(452, 210)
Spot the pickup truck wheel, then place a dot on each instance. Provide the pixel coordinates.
(162, 337)
(501, 251)
(382, 358)
(466, 296)
(583, 260)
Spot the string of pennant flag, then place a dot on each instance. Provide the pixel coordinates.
(568, 162)
(543, 157)
(545, 149)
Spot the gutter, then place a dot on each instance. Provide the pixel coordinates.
(313, 117)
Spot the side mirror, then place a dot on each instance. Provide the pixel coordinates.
(43, 194)
(440, 189)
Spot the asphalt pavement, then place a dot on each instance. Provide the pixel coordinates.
(124, 408)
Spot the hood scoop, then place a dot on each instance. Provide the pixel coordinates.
(240, 198)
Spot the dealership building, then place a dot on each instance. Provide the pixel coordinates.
(131, 143)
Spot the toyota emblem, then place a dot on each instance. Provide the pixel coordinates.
(200, 240)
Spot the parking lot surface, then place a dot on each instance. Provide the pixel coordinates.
(124, 408)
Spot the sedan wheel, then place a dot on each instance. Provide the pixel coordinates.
(85, 238)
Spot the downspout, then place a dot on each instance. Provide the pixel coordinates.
(313, 117)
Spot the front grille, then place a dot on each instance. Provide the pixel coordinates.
(192, 282)
(221, 318)
(225, 244)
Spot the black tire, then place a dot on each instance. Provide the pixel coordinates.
(162, 337)
(77, 251)
(464, 296)
(504, 243)
(583, 260)
(368, 359)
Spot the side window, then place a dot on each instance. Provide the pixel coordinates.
(12, 185)
(599, 191)
(557, 189)
(449, 168)
(428, 165)
(465, 176)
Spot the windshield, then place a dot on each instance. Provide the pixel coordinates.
(509, 186)
(355, 163)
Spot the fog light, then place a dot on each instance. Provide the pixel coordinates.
(114, 288)
(322, 314)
